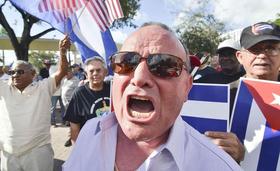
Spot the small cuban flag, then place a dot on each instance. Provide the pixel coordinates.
(256, 122)
(207, 107)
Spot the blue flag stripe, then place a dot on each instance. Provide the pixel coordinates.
(204, 124)
(107, 41)
(270, 150)
(242, 110)
(207, 93)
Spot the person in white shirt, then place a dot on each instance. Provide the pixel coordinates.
(69, 84)
(24, 116)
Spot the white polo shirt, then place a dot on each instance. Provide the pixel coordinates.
(25, 116)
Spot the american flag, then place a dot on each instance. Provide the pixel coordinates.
(104, 12)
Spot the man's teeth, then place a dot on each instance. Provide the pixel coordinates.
(139, 115)
(139, 98)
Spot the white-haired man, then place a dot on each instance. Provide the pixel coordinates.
(25, 118)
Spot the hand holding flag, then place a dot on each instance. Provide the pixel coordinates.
(86, 22)
(256, 122)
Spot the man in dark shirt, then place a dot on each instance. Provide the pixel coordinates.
(44, 72)
(231, 68)
(90, 100)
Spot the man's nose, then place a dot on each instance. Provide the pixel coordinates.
(142, 76)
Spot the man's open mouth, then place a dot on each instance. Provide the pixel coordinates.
(140, 107)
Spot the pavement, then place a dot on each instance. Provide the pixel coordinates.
(60, 135)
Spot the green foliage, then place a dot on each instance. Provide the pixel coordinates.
(201, 33)
(129, 8)
(3, 32)
(37, 58)
(277, 21)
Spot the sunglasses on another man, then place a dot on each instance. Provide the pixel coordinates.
(160, 65)
(13, 72)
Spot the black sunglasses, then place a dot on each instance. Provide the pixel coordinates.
(160, 65)
(19, 71)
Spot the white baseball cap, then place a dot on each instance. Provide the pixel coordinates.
(229, 43)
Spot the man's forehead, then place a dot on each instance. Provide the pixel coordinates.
(149, 36)
(95, 65)
(21, 66)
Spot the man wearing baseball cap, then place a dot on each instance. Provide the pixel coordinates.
(260, 52)
(260, 56)
(231, 69)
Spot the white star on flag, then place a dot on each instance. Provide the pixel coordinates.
(276, 100)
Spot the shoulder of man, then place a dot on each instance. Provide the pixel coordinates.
(213, 156)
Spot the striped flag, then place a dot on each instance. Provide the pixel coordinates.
(61, 9)
(207, 107)
(72, 17)
(104, 12)
(256, 123)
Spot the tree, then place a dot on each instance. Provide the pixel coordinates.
(277, 21)
(21, 46)
(37, 58)
(200, 31)
(3, 32)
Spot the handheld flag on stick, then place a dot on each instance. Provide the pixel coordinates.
(87, 22)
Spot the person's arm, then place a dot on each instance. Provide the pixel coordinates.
(229, 142)
(64, 44)
(74, 131)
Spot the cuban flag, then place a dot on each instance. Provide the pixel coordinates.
(87, 22)
(256, 122)
(207, 107)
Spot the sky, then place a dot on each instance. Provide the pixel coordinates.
(236, 14)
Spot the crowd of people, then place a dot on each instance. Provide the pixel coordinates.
(152, 78)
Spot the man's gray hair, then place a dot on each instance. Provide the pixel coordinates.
(26, 64)
(165, 27)
(95, 58)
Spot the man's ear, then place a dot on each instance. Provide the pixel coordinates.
(189, 83)
(106, 71)
(239, 56)
(33, 73)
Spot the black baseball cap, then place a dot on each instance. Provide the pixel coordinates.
(259, 32)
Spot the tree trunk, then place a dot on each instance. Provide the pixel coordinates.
(22, 52)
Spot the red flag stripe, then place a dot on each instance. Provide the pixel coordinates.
(104, 12)
(67, 3)
(48, 5)
(110, 12)
(96, 13)
(43, 6)
(56, 5)
(63, 4)
(115, 8)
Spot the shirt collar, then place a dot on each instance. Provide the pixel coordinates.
(174, 146)
(176, 142)
(106, 122)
